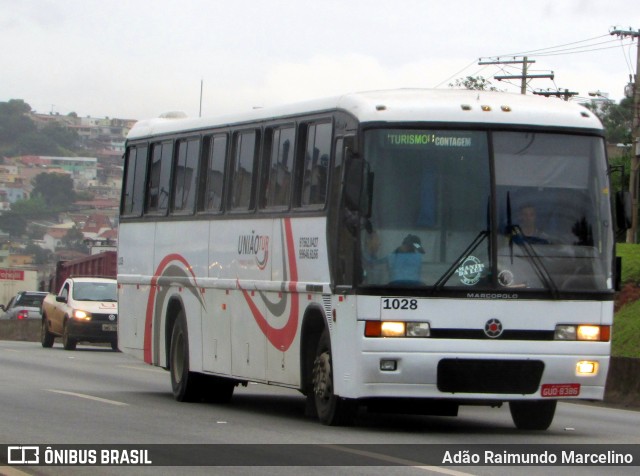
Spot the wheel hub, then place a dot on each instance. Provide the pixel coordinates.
(322, 376)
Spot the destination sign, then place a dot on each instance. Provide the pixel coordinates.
(429, 139)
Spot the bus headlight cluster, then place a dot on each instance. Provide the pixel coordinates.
(583, 332)
(397, 329)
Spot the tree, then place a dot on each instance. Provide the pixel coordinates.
(40, 255)
(74, 240)
(33, 208)
(14, 123)
(20, 136)
(56, 190)
(13, 223)
(476, 83)
(617, 119)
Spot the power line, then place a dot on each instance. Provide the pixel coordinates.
(455, 74)
(552, 47)
(581, 51)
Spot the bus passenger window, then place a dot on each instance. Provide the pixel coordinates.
(184, 182)
(243, 170)
(278, 169)
(135, 172)
(159, 178)
(316, 164)
(211, 200)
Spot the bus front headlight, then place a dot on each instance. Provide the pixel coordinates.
(583, 332)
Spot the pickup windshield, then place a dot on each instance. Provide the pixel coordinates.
(487, 210)
(95, 292)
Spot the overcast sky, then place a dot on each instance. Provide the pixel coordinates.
(139, 58)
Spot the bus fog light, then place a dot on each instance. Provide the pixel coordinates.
(418, 329)
(388, 365)
(587, 367)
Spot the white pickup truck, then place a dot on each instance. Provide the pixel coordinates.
(85, 310)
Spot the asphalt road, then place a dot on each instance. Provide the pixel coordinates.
(94, 396)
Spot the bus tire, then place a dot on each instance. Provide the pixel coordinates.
(68, 342)
(331, 409)
(186, 385)
(46, 337)
(533, 415)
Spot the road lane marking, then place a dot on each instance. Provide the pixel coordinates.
(88, 397)
(401, 461)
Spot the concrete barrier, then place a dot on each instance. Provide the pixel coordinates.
(20, 329)
(623, 381)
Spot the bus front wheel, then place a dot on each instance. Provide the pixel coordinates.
(331, 409)
(533, 415)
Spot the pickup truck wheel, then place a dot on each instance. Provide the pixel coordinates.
(186, 385)
(68, 342)
(46, 337)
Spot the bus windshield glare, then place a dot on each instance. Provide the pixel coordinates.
(484, 210)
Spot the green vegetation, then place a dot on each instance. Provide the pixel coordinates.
(19, 135)
(626, 331)
(626, 324)
(630, 255)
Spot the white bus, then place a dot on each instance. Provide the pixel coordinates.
(407, 251)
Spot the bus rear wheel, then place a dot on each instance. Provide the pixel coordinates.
(186, 385)
(331, 409)
(533, 415)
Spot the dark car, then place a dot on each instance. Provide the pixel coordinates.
(24, 305)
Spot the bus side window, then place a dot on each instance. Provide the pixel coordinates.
(278, 168)
(135, 174)
(243, 170)
(316, 164)
(215, 172)
(159, 178)
(185, 173)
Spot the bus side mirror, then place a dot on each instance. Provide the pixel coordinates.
(623, 210)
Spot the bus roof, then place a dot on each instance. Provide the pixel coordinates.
(404, 105)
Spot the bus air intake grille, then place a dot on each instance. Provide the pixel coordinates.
(489, 376)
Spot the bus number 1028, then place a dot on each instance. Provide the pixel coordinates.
(401, 304)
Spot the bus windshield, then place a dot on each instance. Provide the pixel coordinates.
(448, 213)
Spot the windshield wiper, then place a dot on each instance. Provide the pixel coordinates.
(458, 262)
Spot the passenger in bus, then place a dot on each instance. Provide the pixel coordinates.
(405, 263)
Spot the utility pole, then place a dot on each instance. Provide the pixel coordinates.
(635, 136)
(525, 62)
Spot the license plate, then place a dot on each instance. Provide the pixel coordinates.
(560, 390)
(110, 327)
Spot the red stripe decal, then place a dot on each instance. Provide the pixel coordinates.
(148, 322)
(282, 338)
